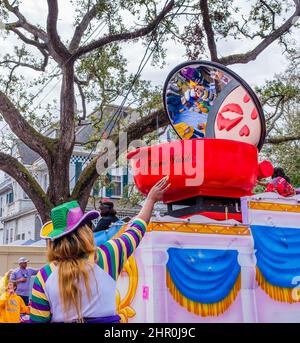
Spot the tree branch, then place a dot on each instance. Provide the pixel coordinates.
(36, 43)
(34, 30)
(80, 29)
(134, 131)
(10, 78)
(27, 65)
(272, 12)
(17, 171)
(82, 82)
(277, 116)
(82, 99)
(209, 30)
(54, 38)
(20, 127)
(43, 47)
(282, 139)
(251, 55)
(124, 36)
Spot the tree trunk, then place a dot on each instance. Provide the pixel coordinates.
(59, 166)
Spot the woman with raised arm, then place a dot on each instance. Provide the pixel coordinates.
(79, 282)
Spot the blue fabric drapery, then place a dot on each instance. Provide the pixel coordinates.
(278, 254)
(103, 236)
(202, 275)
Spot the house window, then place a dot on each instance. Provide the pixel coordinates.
(116, 186)
(10, 197)
(23, 236)
(78, 169)
(45, 182)
(11, 235)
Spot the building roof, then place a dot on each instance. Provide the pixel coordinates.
(83, 134)
(40, 243)
(27, 155)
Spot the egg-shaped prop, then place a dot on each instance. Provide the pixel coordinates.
(208, 100)
(221, 127)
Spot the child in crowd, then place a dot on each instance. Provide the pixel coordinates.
(4, 281)
(11, 305)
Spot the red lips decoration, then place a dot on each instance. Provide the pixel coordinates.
(228, 124)
(244, 131)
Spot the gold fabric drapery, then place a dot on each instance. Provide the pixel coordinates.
(288, 295)
(201, 309)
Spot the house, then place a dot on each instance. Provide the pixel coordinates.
(19, 220)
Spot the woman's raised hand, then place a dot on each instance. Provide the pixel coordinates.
(157, 191)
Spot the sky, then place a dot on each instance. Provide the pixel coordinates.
(268, 63)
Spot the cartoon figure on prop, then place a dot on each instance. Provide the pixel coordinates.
(189, 96)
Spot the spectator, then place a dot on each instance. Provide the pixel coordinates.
(11, 305)
(22, 277)
(108, 216)
(4, 281)
(280, 183)
(79, 282)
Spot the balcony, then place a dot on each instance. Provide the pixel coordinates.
(5, 185)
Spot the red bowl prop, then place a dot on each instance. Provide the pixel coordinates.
(198, 167)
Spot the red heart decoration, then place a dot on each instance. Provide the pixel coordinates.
(244, 131)
(246, 98)
(254, 113)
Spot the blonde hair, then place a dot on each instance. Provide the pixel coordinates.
(4, 281)
(70, 253)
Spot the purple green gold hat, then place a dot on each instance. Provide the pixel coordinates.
(65, 219)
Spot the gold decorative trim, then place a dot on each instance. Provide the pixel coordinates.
(124, 308)
(204, 310)
(270, 206)
(217, 229)
(199, 228)
(287, 295)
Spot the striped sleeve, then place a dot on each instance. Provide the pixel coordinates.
(40, 307)
(113, 254)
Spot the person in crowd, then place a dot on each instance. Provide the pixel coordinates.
(108, 216)
(280, 183)
(22, 277)
(11, 305)
(79, 282)
(4, 281)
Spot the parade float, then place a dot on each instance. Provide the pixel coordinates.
(220, 253)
